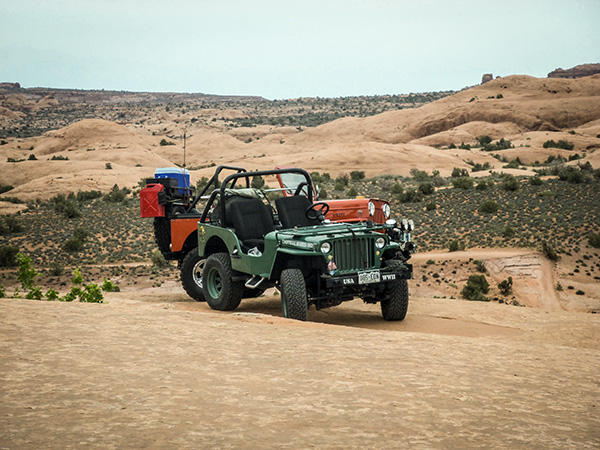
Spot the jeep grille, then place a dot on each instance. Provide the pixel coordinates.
(354, 253)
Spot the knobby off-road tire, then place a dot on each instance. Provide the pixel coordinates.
(162, 234)
(220, 291)
(396, 306)
(191, 275)
(293, 295)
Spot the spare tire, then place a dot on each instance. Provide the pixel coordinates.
(162, 234)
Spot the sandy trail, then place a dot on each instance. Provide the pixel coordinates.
(151, 371)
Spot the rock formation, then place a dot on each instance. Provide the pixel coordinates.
(582, 70)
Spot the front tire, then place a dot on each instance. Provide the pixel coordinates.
(293, 295)
(191, 275)
(395, 307)
(220, 291)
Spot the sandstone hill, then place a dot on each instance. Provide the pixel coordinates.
(528, 111)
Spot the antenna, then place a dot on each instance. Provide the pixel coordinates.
(184, 142)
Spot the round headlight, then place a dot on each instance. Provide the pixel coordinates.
(391, 222)
(371, 208)
(380, 242)
(405, 224)
(387, 211)
(411, 225)
(325, 247)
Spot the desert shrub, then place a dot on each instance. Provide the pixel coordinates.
(536, 181)
(65, 206)
(397, 188)
(463, 183)
(117, 195)
(352, 192)
(5, 188)
(257, 182)
(59, 158)
(481, 186)
(430, 206)
(2, 291)
(158, 259)
(508, 232)
(476, 287)
(8, 256)
(549, 252)
(342, 179)
(480, 266)
(488, 207)
(109, 286)
(77, 241)
(484, 140)
(454, 246)
(509, 183)
(571, 174)
(10, 224)
(560, 144)
(514, 164)
(502, 144)
(426, 188)
(594, 240)
(505, 286)
(56, 269)
(323, 195)
(357, 175)
(419, 175)
(457, 172)
(478, 167)
(84, 196)
(32, 157)
(108, 166)
(410, 196)
(164, 142)
(338, 186)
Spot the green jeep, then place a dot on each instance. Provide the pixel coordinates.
(250, 245)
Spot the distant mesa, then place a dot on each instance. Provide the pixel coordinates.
(582, 70)
(487, 77)
(6, 85)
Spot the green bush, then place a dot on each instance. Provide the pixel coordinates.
(426, 188)
(463, 183)
(536, 181)
(158, 259)
(459, 173)
(594, 240)
(352, 192)
(164, 142)
(410, 196)
(560, 144)
(476, 287)
(480, 265)
(454, 246)
(257, 182)
(357, 175)
(508, 232)
(549, 252)
(431, 206)
(117, 195)
(505, 286)
(502, 144)
(489, 207)
(8, 256)
(510, 183)
(482, 186)
(342, 179)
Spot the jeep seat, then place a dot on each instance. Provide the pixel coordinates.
(251, 220)
(292, 211)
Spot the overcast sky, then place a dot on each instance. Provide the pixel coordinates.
(286, 49)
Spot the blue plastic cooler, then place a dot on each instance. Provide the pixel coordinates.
(181, 175)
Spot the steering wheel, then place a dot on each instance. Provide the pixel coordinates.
(317, 211)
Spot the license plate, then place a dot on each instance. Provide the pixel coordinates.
(372, 276)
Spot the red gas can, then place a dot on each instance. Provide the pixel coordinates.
(149, 203)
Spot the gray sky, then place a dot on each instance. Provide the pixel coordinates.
(286, 49)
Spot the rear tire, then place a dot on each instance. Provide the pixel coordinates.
(293, 295)
(220, 291)
(191, 275)
(395, 307)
